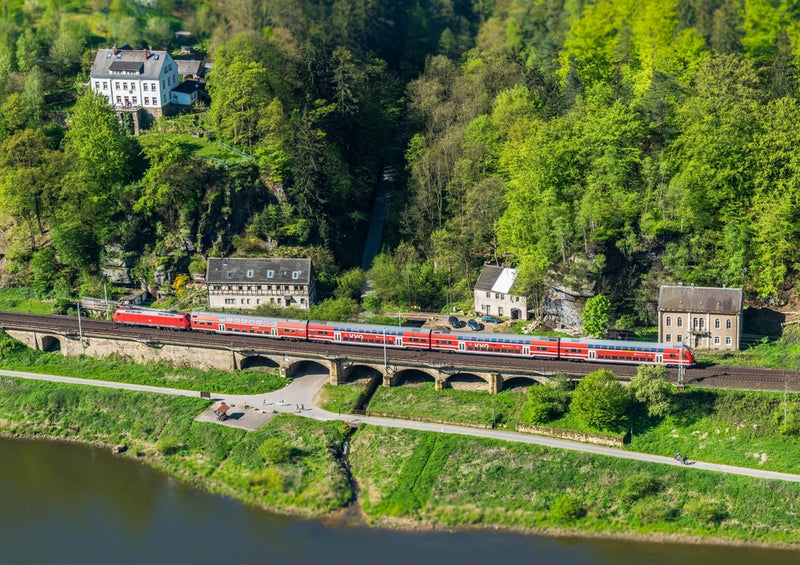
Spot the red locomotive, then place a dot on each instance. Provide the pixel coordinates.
(512, 345)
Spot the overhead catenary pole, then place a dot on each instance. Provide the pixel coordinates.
(80, 330)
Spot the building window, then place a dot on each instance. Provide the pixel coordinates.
(702, 324)
(135, 100)
(144, 86)
(117, 83)
(680, 322)
(242, 300)
(502, 296)
(678, 338)
(230, 274)
(728, 324)
(669, 322)
(669, 338)
(295, 275)
(728, 340)
(716, 340)
(302, 301)
(250, 274)
(119, 100)
(716, 323)
(229, 301)
(694, 323)
(97, 85)
(488, 294)
(270, 274)
(105, 85)
(500, 311)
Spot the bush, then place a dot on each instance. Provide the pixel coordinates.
(649, 510)
(545, 404)
(168, 445)
(705, 510)
(600, 400)
(274, 450)
(638, 486)
(567, 508)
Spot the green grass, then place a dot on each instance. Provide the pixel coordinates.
(774, 354)
(343, 398)
(732, 427)
(459, 481)
(424, 402)
(199, 146)
(16, 357)
(162, 430)
(24, 300)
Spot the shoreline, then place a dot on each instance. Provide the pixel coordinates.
(353, 516)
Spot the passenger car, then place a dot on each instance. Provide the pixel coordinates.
(491, 319)
(455, 322)
(474, 326)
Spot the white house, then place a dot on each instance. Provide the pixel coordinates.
(131, 79)
(493, 294)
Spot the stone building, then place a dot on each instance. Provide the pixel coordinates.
(700, 317)
(236, 282)
(493, 294)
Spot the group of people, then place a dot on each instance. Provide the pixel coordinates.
(679, 458)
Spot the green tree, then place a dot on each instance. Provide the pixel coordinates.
(652, 388)
(274, 450)
(349, 284)
(596, 316)
(600, 401)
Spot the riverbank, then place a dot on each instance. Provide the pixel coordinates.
(411, 479)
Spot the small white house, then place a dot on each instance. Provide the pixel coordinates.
(493, 295)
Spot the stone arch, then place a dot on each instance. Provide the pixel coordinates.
(412, 377)
(305, 366)
(519, 382)
(51, 343)
(358, 372)
(259, 362)
(516, 314)
(466, 381)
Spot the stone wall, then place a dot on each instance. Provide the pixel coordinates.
(574, 435)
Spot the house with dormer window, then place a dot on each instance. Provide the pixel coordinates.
(238, 282)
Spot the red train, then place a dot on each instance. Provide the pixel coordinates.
(578, 349)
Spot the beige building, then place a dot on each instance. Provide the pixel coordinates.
(235, 282)
(493, 295)
(700, 317)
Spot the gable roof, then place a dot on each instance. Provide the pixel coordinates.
(129, 63)
(235, 270)
(700, 299)
(496, 279)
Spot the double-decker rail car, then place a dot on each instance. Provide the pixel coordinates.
(630, 352)
(368, 334)
(245, 324)
(496, 344)
(138, 316)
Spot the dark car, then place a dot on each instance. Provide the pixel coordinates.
(474, 326)
(491, 319)
(454, 322)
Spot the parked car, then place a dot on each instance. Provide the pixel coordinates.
(474, 326)
(455, 322)
(491, 319)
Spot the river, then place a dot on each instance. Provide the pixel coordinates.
(63, 503)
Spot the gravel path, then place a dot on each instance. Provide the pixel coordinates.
(251, 411)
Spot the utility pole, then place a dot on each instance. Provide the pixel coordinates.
(80, 330)
(681, 366)
(105, 292)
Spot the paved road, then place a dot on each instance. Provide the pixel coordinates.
(298, 397)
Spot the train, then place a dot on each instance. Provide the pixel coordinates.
(395, 337)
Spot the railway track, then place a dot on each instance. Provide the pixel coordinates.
(712, 376)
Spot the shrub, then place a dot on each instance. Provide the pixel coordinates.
(705, 510)
(545, 404)
(274, 450)
(567, 508)
(600, 401)
(649, 510)
(168, 445)
(638, 486)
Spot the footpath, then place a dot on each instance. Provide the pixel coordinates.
(253, 410)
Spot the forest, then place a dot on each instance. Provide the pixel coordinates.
(611, 145)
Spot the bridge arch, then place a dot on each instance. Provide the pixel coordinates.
(51, 343)
(522, 381)
(256, 362)
(359, 372)
(413, 377)
(466, 381)
(306, 366)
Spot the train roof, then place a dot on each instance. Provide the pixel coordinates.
(619, 342)
(142, 309)
(230, 317)
(373, 328)
(498, 337)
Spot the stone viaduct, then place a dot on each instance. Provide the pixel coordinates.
(340, 368)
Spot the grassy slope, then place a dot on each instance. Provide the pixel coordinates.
(458, 481)
(222, 459)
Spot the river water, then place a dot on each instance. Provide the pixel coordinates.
(67, 504)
